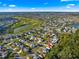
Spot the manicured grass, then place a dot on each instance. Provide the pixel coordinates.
(25, 24)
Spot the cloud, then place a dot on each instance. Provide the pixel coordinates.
(12, 5)
(39, 10)
(70, 5)
(32, 8)
(69, 0)
(0, 2)
(4, 4)
(65, 0)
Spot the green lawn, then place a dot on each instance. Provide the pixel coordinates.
(25, 24)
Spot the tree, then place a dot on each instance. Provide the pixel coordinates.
(67, 47)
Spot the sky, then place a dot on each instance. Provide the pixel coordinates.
(39, 5)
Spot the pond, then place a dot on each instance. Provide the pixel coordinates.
(75, 25)
(4, 24)
(2, 29)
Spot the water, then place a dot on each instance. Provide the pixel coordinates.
(2, 29)
(4, 24)
(75, 25)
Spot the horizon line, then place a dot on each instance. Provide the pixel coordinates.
(45, 11)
